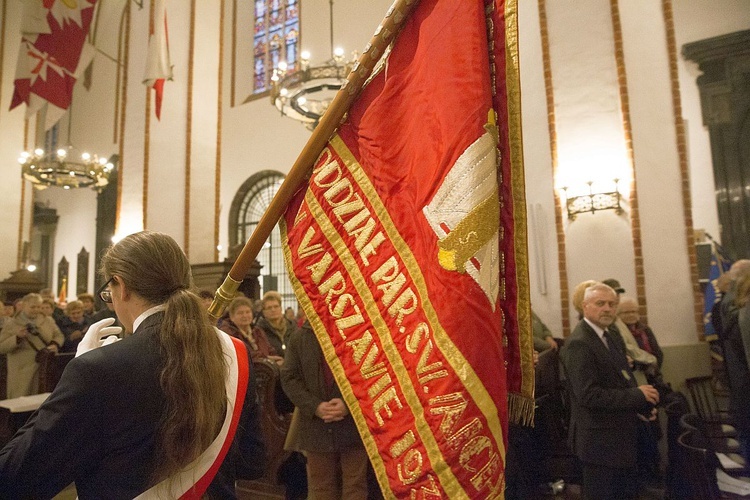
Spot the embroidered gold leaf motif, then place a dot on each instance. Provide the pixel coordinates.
(470, 235)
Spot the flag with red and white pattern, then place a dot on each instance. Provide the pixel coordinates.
(53, 40)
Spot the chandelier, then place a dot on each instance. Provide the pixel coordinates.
(305, 93)
(66, 168)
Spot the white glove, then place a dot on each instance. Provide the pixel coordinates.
(93, 337)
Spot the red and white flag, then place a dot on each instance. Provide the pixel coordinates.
(53, 51)
(158, 65)
(408, 253)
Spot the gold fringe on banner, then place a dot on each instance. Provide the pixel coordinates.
(520, 410)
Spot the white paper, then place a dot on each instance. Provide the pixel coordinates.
(728, 462)
(732, 485)
(24, 403)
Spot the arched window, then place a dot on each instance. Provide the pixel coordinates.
(249, 204)
(275, 38)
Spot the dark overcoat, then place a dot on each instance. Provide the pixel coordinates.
(605, 401)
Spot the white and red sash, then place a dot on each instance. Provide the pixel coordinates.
(192, 481)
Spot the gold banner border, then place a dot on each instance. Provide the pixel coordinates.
(450, 352)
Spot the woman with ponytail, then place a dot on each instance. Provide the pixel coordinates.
(170, 411)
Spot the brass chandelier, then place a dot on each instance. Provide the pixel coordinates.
(66, 168)
(305, 93)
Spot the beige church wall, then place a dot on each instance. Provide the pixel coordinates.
(664, 234)
(698, 20)
(11, 144)
(131, 139)
(166, 141)
(204, 125)
(544, 277)
(177, 155)
(590, 143)
(268, 141)
(74, 232)
(682, 361)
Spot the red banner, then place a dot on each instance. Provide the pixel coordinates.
(407, 252)
(54, 34)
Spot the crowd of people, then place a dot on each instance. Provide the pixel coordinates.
(612, 383)
(172, 355)
(23, 337)
(324, 432)
(731, 322)
(116, 424)
(611, 375)
(36, 323)
(71, 318)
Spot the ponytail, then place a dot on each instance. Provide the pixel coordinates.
(194, 373)
(155, 268)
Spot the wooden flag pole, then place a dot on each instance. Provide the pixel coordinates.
(388, 29)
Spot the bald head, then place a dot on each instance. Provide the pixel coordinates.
(629, 301)
(742, 284)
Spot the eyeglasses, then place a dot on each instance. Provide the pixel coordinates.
(105, 293)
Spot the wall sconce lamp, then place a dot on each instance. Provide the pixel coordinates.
(593, 202)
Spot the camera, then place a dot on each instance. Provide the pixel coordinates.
(32, 329)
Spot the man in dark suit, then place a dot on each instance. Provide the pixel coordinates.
(606, 404)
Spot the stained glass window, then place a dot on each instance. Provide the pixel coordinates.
(275, 38)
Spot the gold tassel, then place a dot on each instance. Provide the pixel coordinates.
(521, 410)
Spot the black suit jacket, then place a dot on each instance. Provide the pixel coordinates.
(98, 428)
(604, 398)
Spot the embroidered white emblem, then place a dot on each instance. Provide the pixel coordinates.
(465, 214)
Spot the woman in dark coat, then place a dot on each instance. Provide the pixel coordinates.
(273, 322)
(239, 324)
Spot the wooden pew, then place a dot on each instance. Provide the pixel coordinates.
(15, 413)
(51, 366)
(275, 425)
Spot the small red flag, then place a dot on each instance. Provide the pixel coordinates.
(62, 297)
(158, 65)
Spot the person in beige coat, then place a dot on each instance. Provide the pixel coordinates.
(21, 337)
